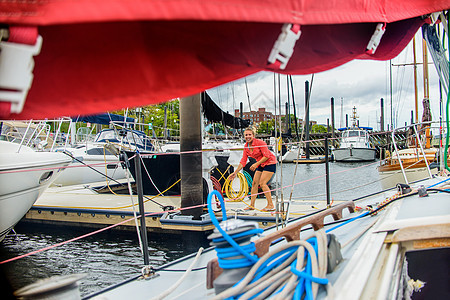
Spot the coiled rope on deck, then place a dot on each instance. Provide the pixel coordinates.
(249, 178)
(291, 270)
(284, 272)
(232, 194)
(235, 249)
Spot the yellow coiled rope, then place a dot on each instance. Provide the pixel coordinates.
(232, 194)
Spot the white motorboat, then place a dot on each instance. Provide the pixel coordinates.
(354, 145)
(24, 175)
(99, 160)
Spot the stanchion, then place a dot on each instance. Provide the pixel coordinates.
(140, 191)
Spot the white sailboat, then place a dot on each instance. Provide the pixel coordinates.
(24, 175)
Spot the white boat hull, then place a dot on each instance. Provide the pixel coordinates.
(389, 179)
(354, 154)
(93, 168)
(23, 178)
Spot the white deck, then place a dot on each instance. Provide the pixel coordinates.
(373, 255)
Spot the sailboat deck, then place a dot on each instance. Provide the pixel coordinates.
(369, 254)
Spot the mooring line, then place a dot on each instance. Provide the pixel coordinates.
(146, 215)
(93, 233)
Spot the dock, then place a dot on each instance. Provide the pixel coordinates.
(312, 160)
(84, 206)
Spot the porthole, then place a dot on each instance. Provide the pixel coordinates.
(45, 177)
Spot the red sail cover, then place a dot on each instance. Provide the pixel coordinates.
(102, 55)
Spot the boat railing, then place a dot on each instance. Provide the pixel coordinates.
(418, 129)
(33, 133)
(133, 138)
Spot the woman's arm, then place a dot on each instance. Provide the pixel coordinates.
(256, 164)
(232, 175)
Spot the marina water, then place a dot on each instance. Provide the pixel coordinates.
(112, 257)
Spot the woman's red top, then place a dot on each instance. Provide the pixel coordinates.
(260, 150)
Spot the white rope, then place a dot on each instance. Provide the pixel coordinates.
(188, 271)
(281, 275)
(134, 212)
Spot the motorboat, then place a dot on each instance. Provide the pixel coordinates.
(98, 160)
(33, 134)
(293, 153)
(24, 175)
(354, 144)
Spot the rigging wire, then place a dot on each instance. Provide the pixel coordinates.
(248, 95)
(186, 208)
(448, 103)
(298, 153)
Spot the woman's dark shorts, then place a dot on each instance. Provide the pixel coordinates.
(269, 168)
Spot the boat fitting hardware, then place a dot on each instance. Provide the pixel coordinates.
(403, 188)
(290, 233)
(422, 191)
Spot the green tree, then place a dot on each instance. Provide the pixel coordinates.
(266, 127)
(319, 129)
(154, 115)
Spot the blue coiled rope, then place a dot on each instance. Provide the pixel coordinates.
(305, 277)
(249, 179)
(236, 249)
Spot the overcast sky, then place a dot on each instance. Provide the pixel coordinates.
(360, 83)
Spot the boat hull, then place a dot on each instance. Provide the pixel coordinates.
(354, 154)
(159, 173)
(391, 175)
(24, 176)
(99, 168)
(413, 163)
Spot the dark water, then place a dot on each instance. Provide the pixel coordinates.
(110, 258)
(347, 180)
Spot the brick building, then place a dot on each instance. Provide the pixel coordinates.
(256, 116)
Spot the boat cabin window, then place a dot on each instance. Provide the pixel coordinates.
(104, 135)
(352, 133)
(132, 139)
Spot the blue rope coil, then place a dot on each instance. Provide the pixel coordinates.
(249, 179)
(304, 276)
(225, 253)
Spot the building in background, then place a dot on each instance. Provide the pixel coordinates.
(258, 116)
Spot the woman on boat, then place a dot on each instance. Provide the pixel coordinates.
(264, 167)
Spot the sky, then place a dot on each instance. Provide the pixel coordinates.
(359, 83)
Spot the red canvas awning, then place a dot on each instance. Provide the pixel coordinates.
(99, 56)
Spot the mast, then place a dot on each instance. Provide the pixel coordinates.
(390, 90)
(415, 82)
(307, 119)
(295, 111)
(426, 95)
(426, 85)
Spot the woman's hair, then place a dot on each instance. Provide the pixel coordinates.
(252, 129)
